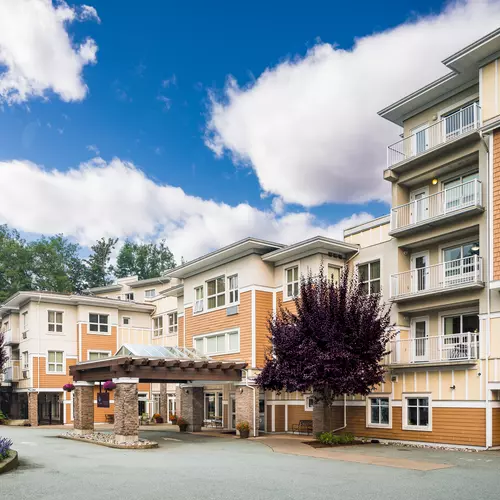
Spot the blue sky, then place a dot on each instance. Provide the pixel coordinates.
(148, 99)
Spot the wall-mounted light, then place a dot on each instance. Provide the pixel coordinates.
(452, 387)
(241, 390)
(475, 248)
(434, 181)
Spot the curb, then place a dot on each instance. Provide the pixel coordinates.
(9, 463)
(110, 445)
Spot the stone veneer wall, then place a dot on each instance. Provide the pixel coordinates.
(247, 407)
(83, 401)
(126, 416)
(189, 402)
(33, 408)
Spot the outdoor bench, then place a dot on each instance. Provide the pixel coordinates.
(303, 426)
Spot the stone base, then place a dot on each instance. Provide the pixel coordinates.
(120, 439)
(83, 432)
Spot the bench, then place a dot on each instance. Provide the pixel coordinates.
(216, 422)
(109, 418)
(303, 426)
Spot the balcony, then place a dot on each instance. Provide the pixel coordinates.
(450, 129)
(11, 337)
(12, 372)
(438, 208)
(461, 348)
(440, 278)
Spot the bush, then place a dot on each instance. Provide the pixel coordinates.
(332, 439)
(5, 445)
(2, 416)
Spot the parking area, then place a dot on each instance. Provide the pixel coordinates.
(193, 466)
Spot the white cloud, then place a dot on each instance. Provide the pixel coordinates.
(116, 199)
(309, 126)
(166, 101)
(37, 55)
(278, 205)
(93, 149)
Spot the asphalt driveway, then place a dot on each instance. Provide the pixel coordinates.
(203, 467)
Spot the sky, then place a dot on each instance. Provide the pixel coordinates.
(207, 122)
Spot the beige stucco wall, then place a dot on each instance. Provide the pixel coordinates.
(490, 89)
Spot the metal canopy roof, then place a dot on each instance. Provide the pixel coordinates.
(159, 351)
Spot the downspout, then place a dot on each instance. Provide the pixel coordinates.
(254, 403)
(38, 326)
(345, 415)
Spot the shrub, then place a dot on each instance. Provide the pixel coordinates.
(2, 416)
(5, 445)
(332, 439)
(181, 421)
(243, 426)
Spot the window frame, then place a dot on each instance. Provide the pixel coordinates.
(370, 280)
(307, 402)
(98, 351)
(329, 277)
(158, 328)
(378, 395)
(226, 333)
(200, 301)
(99, 324)
(173, 328)
(291, 265)
(235, 291)
(56, 363)
(55, 323)
(25, 321)
(25, 358)
(417, 395)
(217, 279)
(146, 296)
(128, 318)
(127, 296)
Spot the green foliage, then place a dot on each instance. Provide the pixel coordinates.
(98, 266)
(144, 260)
(3, 416)
(334, 439)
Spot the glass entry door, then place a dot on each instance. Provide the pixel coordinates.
(232, 411)
(420, 267)
(420, 339)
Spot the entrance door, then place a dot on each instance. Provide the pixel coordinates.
(420, 332)
(171, 405)
(232, 412)
(420, 204)
(420, 272)
(420, 141)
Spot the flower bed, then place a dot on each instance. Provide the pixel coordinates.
(8, 457)
(107, 439)
(5, 445)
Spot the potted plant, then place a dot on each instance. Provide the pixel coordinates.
(173, 418)
(158, 418)
(182, 423)
(3, 417)
(109, 385)
(68, 387)
(244, 429)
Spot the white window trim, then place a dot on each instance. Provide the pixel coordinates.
(306, 399)
(156, 329)
(456, 312)
(456, 243)
(368, 262)
(175, 333)
(413, 395)
(100, 351)
(205, 289)
(27, 365)
(195, 300)
(26, 327)
(54, 323)
(63, 372)
(230, 304)
(296, 264)
(99, 323)
(150, 290)
(369, 423)
(215, 334)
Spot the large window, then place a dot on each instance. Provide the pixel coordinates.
(25, 320)
(333, 273)
(417, 412)
(158, 326)
(460, 263)
(232, 285)
(172, 323)
(96, 355)
(198, 299)
(55, 362)
(292, 282)
(99, 323)
(219, 343)
(216, 293)
(369, 277)
(149, 294)
(55, 321)
(461, 336)
(460, 192)
(379, 411)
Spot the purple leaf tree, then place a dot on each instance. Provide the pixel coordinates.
(333, 345)
(3, 353)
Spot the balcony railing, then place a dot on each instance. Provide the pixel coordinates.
(448, 129)
(448, 275)
(435, 349)
(12, 372)
(11, 337)
(439, 205)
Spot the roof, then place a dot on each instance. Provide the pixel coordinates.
(174, 291)
(310, 246)
(464, 66)
(150, 281)
(115, 287)
(226, 254)
(379, 221)
(158, 351)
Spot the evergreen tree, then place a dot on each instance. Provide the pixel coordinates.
(99, 270)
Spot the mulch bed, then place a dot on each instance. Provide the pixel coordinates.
(317, 444)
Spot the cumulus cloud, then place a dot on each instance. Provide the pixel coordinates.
(309, 126)
(37, 54)
(116, 199)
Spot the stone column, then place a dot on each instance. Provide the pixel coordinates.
(164, 402)
(247, 407)
(33, 408)
(189, 401)
(126, 413)
(83, 401)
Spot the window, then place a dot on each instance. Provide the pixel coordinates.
(55, 362)
(95, 355)
(25, 360)
(98, 323)
(309, 403)
(460, 120)
(129, 296)
(25, 321)
(369, 277)
(460, 192)
(378, 412)
(149, 294)
(333, 273)
(158, 326)
(461, 337)
(417, 412)
(219, 343)
(292, 281)
(172, 323)
(126, 321)
(198, 299)
(461, 264)
(216, 293)
(55, 321)
(232, 285)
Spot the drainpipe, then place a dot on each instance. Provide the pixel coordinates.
(38, 326)
(253, 406)
(345, 415)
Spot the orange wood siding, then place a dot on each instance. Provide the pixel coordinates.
(279, 418)
(50, 380)
(496, 205)
(461, 426)
(288, 304)
(97, 342)
(297, 413)
(180, 332)
(263, 310)
(496, 426)
(216, 321)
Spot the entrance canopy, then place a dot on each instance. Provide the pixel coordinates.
(150, 363)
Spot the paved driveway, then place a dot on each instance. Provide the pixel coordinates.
(199, 467)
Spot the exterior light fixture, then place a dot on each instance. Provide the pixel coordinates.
(475, 249)
(434, 181)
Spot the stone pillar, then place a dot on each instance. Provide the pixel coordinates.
(126, 412)
(164, 402)
(247, 407)
(189, 401)
(83, 401)
(33, 408)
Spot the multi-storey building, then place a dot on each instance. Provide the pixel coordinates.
(435, 257)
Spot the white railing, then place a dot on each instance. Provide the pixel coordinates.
(11, 337)
(449, 128)
(441, 348)
(145, 336)
(436, 205)
(451, 274)
(12, 372)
